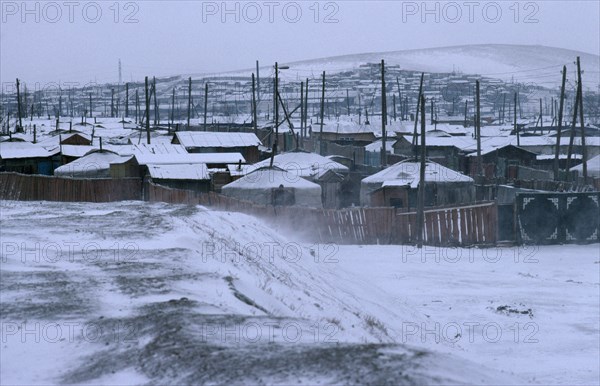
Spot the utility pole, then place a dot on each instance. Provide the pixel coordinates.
(206, 103)
(276, 106)
(478, 126)
(466, 112)
(173, 108)
(560, 117)
(137, 106)
(302, 109)
(126, 100)
(383, 117)
(20, 128)
(254, 115)
(147, 111)
(515, 126)
(503, 107)
(583, 147)
(421, 191)
(322, 115)
(257, 82)
(573, 128)
(306, 110)
(415, 143)
(112, 102)
(189, 112)
(156, 109)
(394, 102)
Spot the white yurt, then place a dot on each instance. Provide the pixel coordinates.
(274, 186)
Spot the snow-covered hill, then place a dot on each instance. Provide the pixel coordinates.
(521, 63)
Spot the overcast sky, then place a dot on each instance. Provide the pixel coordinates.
(83, 41)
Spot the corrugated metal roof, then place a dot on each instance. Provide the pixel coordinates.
(179, 172)
(191, 139)
(187, 158)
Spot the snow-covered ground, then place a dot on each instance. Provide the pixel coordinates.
(138, 293)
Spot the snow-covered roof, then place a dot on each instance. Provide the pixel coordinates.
(76, 150)
(188, 158)
(460, 142)
(406, 173)
(191, 139)
(487, 148)
(302, 164)
(54, 140)
(15, 150)
(179, 172)
(92, 164)
(593, 167)
(560, 156)
(267, 178)
(153, 148)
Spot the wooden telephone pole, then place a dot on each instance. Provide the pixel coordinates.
(515, 126)
(254, 115)
(112, 102)
(573, 128)
(205, 104)
(583, 147)
(560, 117)
(189, 111)
(20, 127)
(322, 115)
(421, 190)
(173, 108)
(306, 110)
(302, 109)
(137, 106)
(276, 105)
(478, 131)
(126, 100)
(147, 95)
(383, 117)
(415, 143)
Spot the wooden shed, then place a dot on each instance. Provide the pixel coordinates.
(27, 158)
(398, 184)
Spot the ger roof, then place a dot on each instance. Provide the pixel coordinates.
(191, 139)
(303, 163)
(407, 173)
(267, 178)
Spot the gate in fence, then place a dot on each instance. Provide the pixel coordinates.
(555, 218)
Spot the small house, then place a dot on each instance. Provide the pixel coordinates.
(398, 184)
(497, 160)
(181, 176)
(97, 164)
(26, 158)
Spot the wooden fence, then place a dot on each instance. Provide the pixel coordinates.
(460, 226)
(22, 187)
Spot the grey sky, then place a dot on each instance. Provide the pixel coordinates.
(166, 38)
